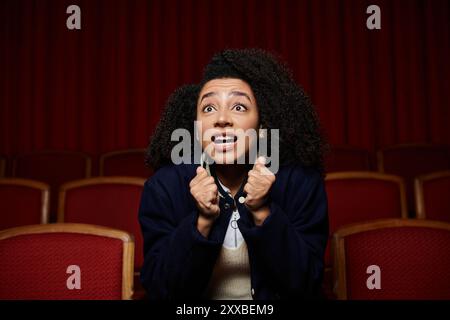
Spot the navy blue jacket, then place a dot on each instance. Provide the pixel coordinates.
(285, 252)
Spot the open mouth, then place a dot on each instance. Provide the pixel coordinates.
(224, 141)
(225, 138)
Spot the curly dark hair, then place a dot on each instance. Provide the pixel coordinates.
(282, 104)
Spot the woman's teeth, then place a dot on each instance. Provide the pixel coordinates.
(228, 140)
(223, 140)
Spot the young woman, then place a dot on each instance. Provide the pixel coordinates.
(236, 231)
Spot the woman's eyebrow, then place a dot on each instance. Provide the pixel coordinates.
(232, 93)
(206, 95)
(240, 93)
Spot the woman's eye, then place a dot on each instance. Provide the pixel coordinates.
(208, 108)
(239, 107)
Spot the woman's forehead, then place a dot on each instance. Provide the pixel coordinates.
(225, 84)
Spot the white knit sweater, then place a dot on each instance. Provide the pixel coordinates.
(230, 279)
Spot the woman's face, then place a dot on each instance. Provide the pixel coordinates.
(224, 106)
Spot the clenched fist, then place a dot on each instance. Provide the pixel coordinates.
(206, 195)
(259, 182)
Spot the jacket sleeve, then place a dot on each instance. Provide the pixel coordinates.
(291, 241)
(178, 260)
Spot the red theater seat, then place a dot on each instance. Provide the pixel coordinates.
(393, 259)
(433, 196)
(347, 158)
(412, 160)
(53, 168)
(357, 197)
(65, 261)
(23, 202)
(361, 196)
(107, 201)
(124, 163)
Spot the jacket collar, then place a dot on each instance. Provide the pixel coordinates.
(223, 192)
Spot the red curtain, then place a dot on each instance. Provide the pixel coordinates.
(103, 87)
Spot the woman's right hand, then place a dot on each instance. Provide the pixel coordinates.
(206, 195)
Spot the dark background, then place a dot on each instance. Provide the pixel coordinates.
(103, 87)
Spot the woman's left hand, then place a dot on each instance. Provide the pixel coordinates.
(259, 182)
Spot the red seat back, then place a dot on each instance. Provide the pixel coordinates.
(412, 257)
(124, 163)
(53, 168)
(346, 158)
(410, 161)
(433, 196)
(107, 201)
(23, 202)
(39, 262)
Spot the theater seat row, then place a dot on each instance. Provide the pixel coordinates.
(114, 201)
(362, 197)
(389, 259)
(105, 201)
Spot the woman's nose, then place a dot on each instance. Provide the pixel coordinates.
(223, 119)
